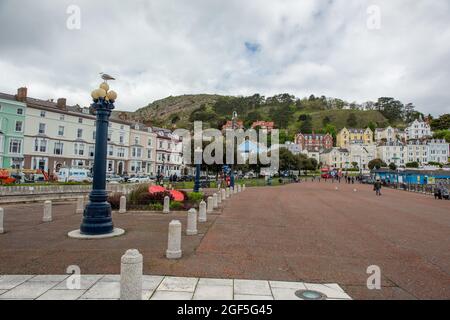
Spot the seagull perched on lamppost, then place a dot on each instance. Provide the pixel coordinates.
(106, 77)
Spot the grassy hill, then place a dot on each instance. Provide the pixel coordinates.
(214, 110)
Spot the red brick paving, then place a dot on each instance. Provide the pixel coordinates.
(301, 232)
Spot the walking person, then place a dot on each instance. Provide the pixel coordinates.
(377, 187)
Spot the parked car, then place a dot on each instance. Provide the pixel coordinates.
(139, 179)
(114, 179)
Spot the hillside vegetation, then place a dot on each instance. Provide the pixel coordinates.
(319, 114)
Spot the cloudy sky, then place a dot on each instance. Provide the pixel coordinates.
(162, 48)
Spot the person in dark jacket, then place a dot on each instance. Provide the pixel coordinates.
(377, 187)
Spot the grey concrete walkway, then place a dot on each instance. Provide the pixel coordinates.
(107, 287)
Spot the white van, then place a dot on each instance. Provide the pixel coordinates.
(73, 175)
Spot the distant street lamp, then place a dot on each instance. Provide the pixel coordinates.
(197, 170)
(234, 127)
(97, 220)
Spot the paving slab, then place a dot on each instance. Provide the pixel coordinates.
(252, 287)
(212, 292)
(172, 295)
(10, 281)
(62, 295)
(103, 290)
(178, 284)
(28, 290)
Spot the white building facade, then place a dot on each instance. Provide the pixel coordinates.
(418, 129)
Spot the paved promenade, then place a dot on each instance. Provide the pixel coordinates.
(308, 232)
(107, 287)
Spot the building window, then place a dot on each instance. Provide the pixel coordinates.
(109, 136)
(121, 138)
(15, 146)
(80, 133)
(149, 143)
(19, 126)
(61, 117)
(149, 154)
(136, 140)
(121, 152)
(42, 114)
(110, 150)
(80, 120)
(91, 151)
(40, 145)
(93, 135)
(41, 128)
(60, 131)
(58, 149)
(137, 152)
(20, 111)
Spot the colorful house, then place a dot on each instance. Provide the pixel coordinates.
(12, 123)
(347, 137)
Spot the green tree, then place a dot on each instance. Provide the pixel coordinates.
(441, 123)
(414, 164)
(392, 109)
(326, 121)
(376, 164)
(442, 134)
(392, 166)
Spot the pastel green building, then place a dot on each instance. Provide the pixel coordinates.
(12, 122)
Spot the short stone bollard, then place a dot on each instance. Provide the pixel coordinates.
(227, 194)
(174, 240)
(166, 208)
(131, 268)
(238, 188)
(219, 198)
(231, 191)
(223, 193)
(192, 223)
(235, 189)
(202, 212)
(354, 190)
(210, 207)
(80, 205)
(2, 215)
(123, 204)
(215, 201)
(243, 187)
(47, 211)
(336, 188)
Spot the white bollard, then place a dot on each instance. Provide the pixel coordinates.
(123, 204)
(238, 188)
(219, 198)
(47, 211)
(80, 205)
(2, 215)
(243, 187)
(174, 240)
(131, 268)
(354, 190)
(215, 201)
(231, 191)
(166, 205)
(210, 207)
(223, 193)
(227, 194)
(235, 189)
(336, 188)
(202, 212)
(192, 223)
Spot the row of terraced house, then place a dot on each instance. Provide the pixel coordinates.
(359, 146)
(47, 135)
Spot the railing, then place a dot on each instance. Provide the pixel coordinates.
(417, 188)
(60, 189)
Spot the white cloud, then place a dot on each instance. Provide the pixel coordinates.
(162, 48)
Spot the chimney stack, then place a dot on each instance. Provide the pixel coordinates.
(21, 94)
(61, 103)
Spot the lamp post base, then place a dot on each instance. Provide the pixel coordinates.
(76, 234)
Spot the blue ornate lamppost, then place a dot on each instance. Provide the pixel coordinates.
(97, 220)
(234, 127)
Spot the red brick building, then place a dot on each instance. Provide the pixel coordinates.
(314, 141)
(264, 125)
(229, 125)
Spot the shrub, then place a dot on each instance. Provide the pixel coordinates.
(155, 207)
(176, 205)
(114, 200)
(195, 196)
(134, 195)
